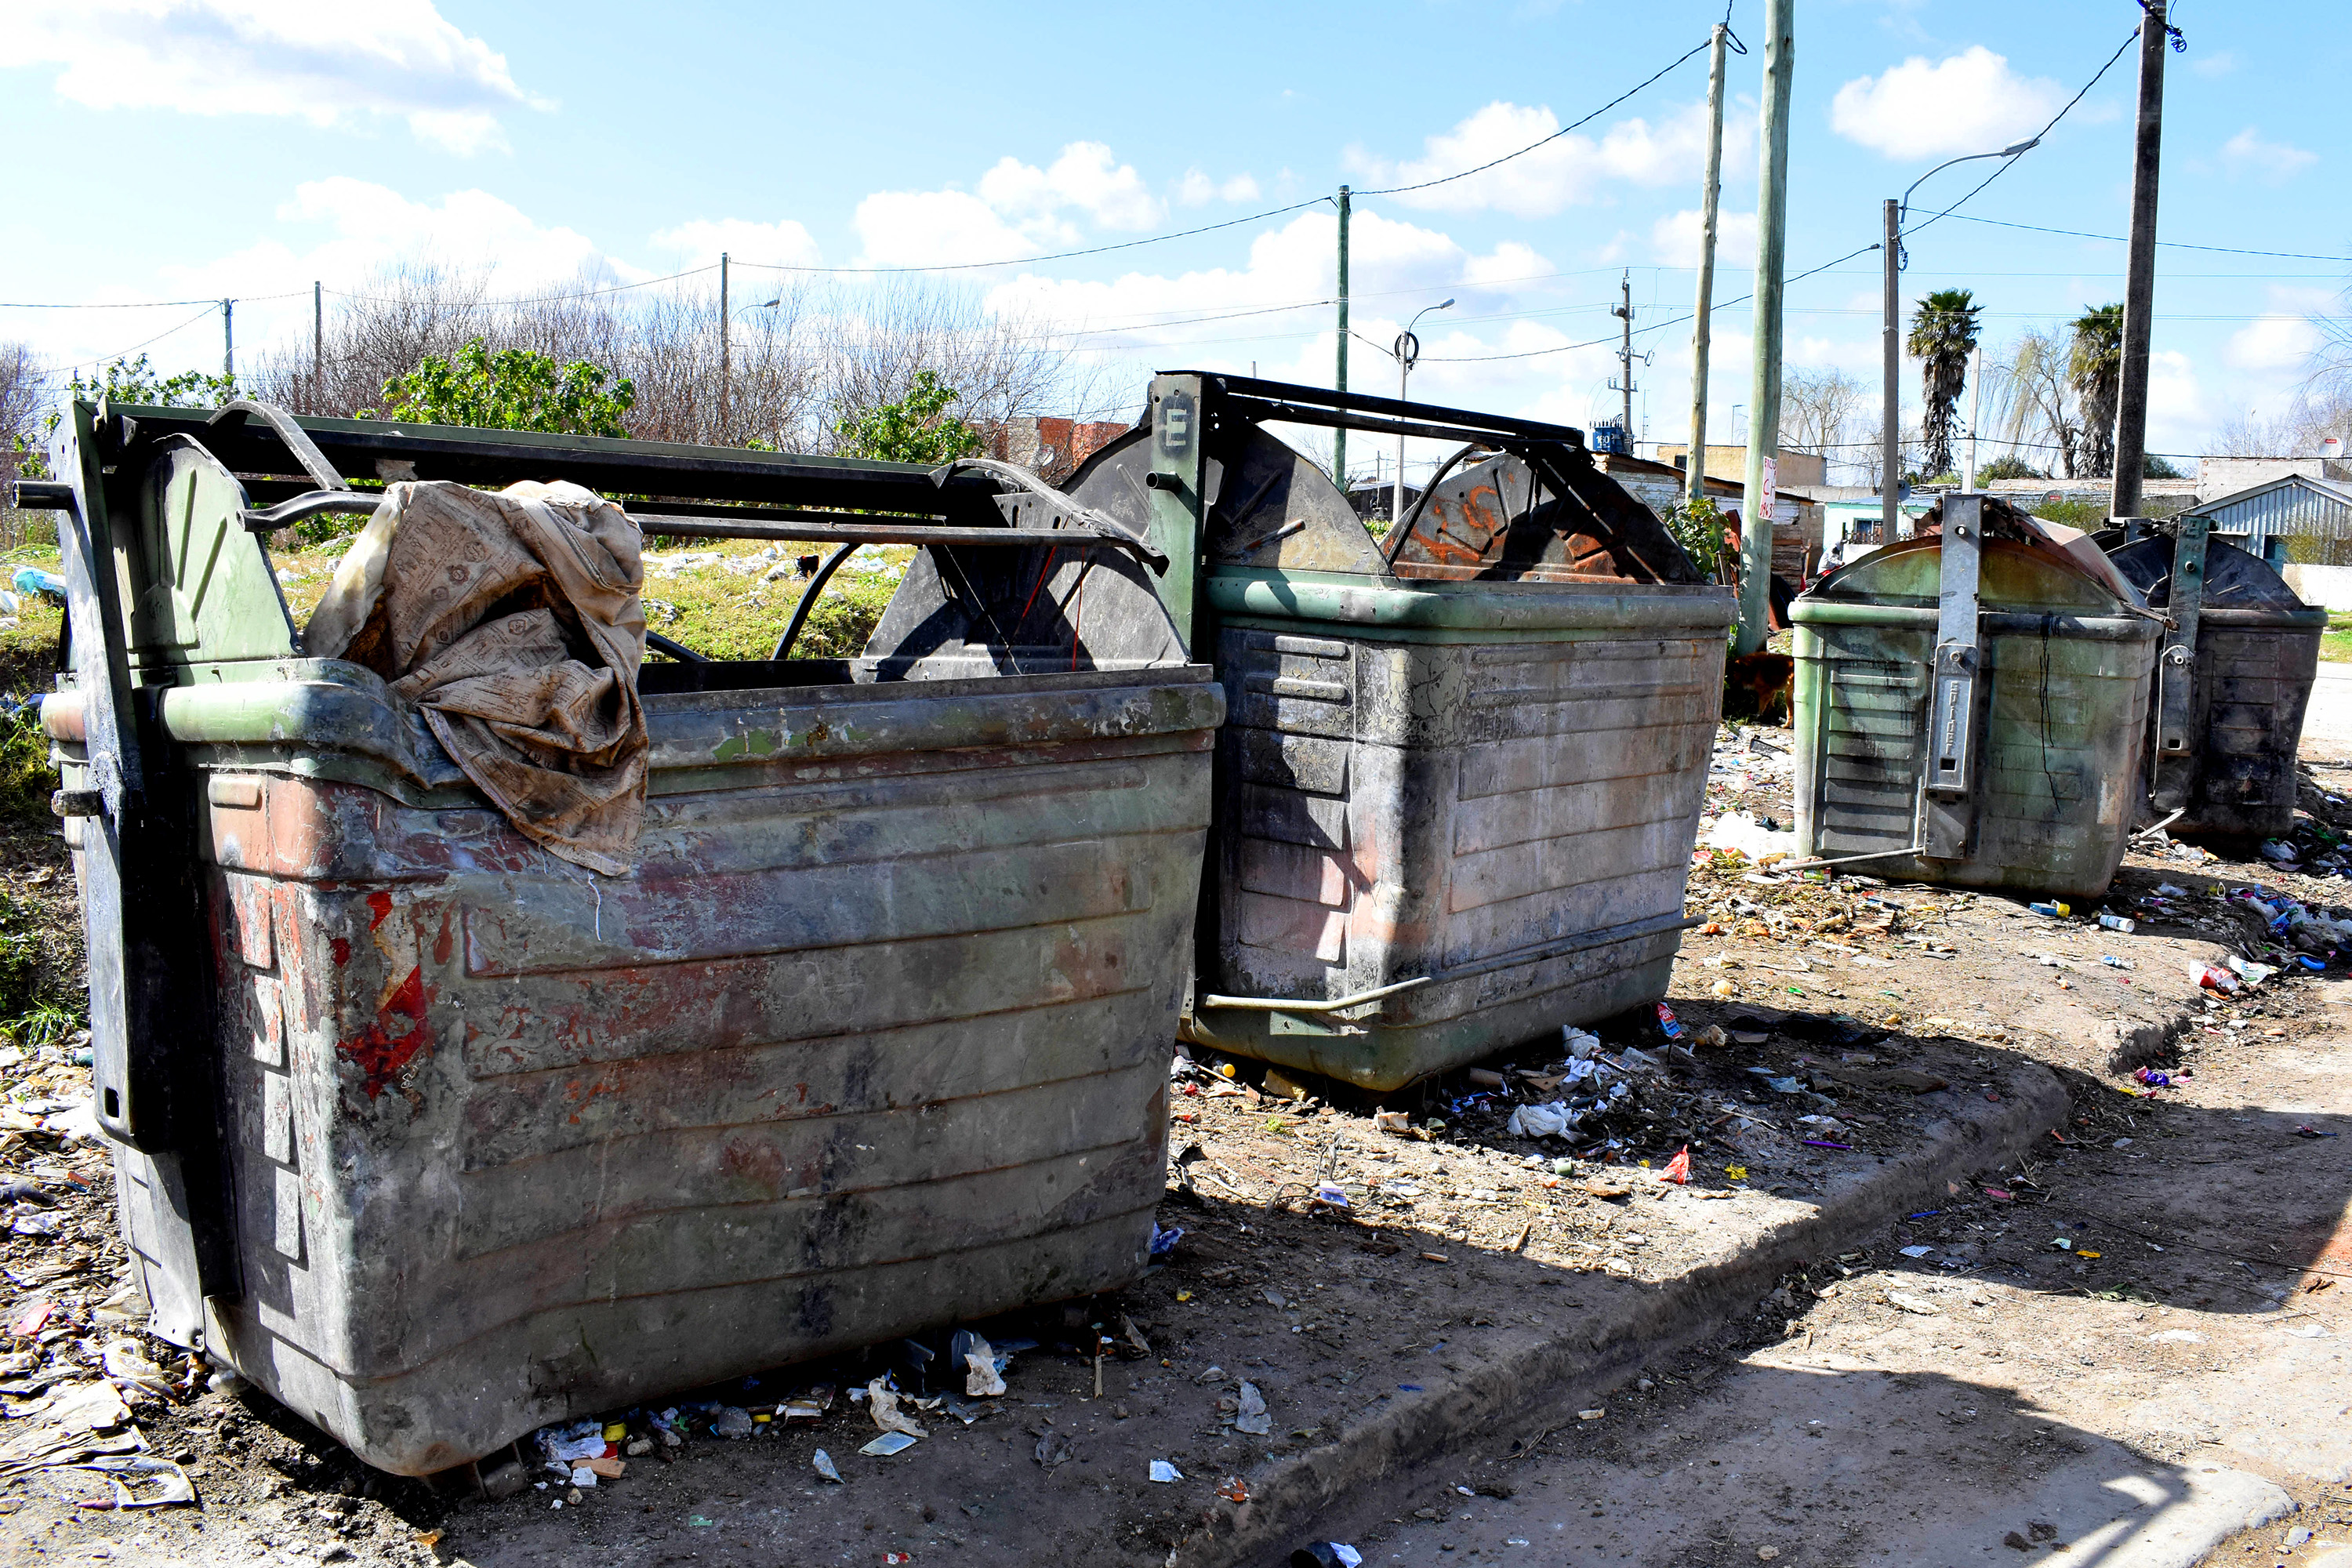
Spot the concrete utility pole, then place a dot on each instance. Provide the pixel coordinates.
(1339, 379)
(1890, 391)
(1764, 391)
(725, 322)
(228, 339)
(1694, 465)
(2139, 277)
(318, 342)
(1625, 359)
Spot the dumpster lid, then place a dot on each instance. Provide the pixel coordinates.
(2235, 579)
(2027, 560)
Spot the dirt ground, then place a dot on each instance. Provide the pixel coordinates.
(1832, 1030)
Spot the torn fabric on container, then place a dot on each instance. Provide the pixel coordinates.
(512, 620)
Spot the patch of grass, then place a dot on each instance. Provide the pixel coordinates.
(712, 595)
(2336, 641)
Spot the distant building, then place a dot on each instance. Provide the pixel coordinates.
(1731, 463)
(1052, 448)
(1372, 500)
(1796, 521)
(2295, 516)
(2218, 477)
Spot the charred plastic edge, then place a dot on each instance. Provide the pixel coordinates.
(1493, 609)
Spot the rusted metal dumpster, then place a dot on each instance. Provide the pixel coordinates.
(2231, 683)
(1970, 708)
(1457, 795)
(438, 1138)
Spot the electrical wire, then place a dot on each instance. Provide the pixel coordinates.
(109, 359)
(1653, 327)
(2166, 244)
(2045, 130)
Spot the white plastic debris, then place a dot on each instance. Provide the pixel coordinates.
(981, 1378)
(1253, 1417)
(883, 1401)
(1540, 1120)
(1736, 830)
(1161, 1470)
(824, 1467)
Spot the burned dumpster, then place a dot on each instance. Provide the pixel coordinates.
(1971, 706)
(438, 1130)
(2231, 683)
(1459, 786)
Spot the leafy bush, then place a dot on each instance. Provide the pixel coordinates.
(1698, 527)
(915, 429)
(513, 389)
(27, 780)
(2008, 466)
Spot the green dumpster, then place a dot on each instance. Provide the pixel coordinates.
(1461, 774)
(438, 1137)
(2232, 684)
(1970, 708)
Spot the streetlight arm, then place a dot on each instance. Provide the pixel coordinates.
(2011, 151)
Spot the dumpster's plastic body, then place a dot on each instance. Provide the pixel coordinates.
(468, 1138)
(2050, 725)
(1462, 772)
(2227, 714)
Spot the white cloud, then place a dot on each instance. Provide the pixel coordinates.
(1568, 171)
(1084, 177)
(929, 228)
(2271, 343)
(1674, 240)
(2269, 162)
(328, 65)
(783, 243)
(2219, 64)
(1196, 189)
(370, 226)
(1969, 102)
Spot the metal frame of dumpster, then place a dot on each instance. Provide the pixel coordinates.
(2233, 680)
(437, 1138)
(1460, 782)
(1967, 743)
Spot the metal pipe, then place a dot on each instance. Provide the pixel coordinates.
(1282, 1005)
(263, 519)
(808, 601)
(1849, 859)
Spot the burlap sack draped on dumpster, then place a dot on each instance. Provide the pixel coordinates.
(512, 620)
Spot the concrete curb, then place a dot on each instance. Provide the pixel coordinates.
(1563, 1371)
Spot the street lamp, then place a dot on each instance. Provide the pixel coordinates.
(1891, 415)
(1408, 349)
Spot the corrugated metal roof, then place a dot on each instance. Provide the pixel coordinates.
(2295, 504)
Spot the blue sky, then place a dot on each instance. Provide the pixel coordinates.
(177, 149)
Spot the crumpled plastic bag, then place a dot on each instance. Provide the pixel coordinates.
(1736, 830)
(981, 1378)
(1540, 1120)
(882, 1400)
(1252, 1417)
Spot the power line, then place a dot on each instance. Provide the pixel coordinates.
(1544, 141)
(210, 306)
(2167, 243)
(2045, 130)
(1653, 327)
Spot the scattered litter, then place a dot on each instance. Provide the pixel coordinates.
(889, 1443)
(1913, 1304)
(1326, 1554)
(1253, 1417)
(1161, 1470)
(1917, 1251)
(1540, 1120)
(1677, 1169)
(882, 1400)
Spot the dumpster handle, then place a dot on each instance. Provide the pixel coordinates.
(1338, 1004)
(298, 440)
(808, 601)
(676, 650)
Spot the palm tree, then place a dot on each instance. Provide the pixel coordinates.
(2094, 365)
(1943, 335)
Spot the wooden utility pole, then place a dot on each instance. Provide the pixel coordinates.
(1339, 381)
(724, 323)
(1764, 391)
(318, 343)
(1890, 373)
(2140, 277)
(1694, 465)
